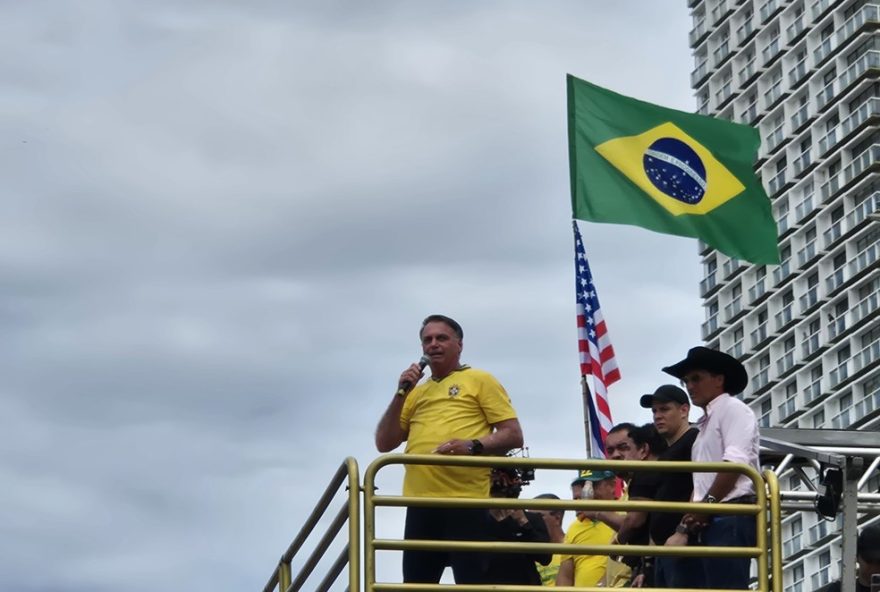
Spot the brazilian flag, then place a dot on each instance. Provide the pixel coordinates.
(669, 171)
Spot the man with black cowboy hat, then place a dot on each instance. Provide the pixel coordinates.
(728, 432)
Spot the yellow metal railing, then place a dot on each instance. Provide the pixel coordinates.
(282, 577)
(766, 509)
(767, 502)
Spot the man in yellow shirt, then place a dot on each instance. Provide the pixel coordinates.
(587, 570)
(460, 410)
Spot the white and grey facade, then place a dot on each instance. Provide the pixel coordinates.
(806, 73)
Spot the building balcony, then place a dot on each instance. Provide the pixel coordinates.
(736, 350)
(867, 110)
(861, 212)
(827, 141)
(812, 392)
(823, 529)
(867, 356)
(810, 345)
(809, 299)
(757, 290)
(786, 409)
(797, 72)
(759, 335)
(768, 9)
(710, 327)
(749, 114)
(724, 93)
(867, 404)
(867, 13)
(792, 545)
(761, 379)
(782, 272)
(747, 72)
(784, 317)
(708, 283)
(800, 117)
(731, 267)
(836, 327)
(782, 224)
(819, 7)
(835, 280)
(776, 183)
(862, 162)
(870, 60)
(770, 51)
(700, 73)
(842, 420)
(720, 10)
(825, 95)
(784, 364)
(774, 138)
(795, 28)
(721, 52)
(829, 188)
(802, 163)
(744, 31)
(823, 50)
(839, 374)
(804, 208)
(807, 253)
(864, 259)
(699, 32)
(866, 307)
(833, 233)
(732, 310)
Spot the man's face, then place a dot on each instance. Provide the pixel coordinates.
(619, 446)
(577, 490)
(441, 344)
(669, 417)
(604, 490)
(703, 386)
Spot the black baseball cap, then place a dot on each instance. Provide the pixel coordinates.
(668, 393)
(868, 544)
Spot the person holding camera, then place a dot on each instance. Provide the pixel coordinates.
(518, 525)
(868, 556)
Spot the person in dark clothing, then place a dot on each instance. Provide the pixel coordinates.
(868, 556)
(642, 486)
(513, 526)
(670, 408)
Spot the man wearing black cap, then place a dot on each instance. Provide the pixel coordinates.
(868, 555)
(728, 432)
(670, 409)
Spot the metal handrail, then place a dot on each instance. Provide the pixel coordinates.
(351, 512)
(764, 490)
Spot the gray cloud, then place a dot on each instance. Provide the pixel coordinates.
(223, 225)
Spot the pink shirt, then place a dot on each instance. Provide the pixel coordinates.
(728, 432)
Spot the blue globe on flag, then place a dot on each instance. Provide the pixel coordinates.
(675, 169)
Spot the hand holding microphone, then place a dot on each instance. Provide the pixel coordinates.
(411, 376)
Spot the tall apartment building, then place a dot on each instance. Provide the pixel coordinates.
(805, 73)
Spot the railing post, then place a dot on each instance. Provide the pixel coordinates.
(283, 575)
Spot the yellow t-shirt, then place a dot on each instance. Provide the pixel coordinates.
(549, 572)
(463, 405)
(589, 570)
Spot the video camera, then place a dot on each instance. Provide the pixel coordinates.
(509, 481)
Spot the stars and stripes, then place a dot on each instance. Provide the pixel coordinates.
(596, 353)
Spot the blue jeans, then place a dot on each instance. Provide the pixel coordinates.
(678, 572)
(728, 531)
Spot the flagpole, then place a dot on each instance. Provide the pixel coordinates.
(585, 390)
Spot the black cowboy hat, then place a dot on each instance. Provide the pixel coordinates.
(703, 358)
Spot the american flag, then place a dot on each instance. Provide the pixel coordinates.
(596, 353)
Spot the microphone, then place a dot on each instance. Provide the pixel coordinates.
(406, 385)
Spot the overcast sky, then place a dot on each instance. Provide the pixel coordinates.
(223, 223)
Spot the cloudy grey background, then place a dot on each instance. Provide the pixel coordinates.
(223, 223)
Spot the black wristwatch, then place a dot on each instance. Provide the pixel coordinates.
(710, 499)
(476, 447)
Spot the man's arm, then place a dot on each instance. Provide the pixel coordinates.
(631, 522)
(389, 434)
(565, 577)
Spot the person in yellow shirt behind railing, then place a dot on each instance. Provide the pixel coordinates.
(587, 570)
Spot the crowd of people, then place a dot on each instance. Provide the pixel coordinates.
(464, 411)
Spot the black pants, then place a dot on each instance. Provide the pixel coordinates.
(463, 524)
